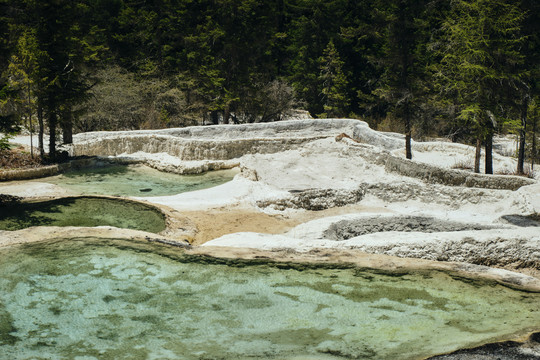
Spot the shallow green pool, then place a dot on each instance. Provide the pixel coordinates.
(96, 300)
(136, 180)
(82, 211)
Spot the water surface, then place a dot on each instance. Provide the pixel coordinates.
(136, 180)
(82, 211)
(112, 300)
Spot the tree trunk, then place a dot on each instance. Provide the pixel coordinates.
(226, 115)
(30, 125)
(214, 117)
(522, 134)
(40, 132)
(533, 149)
(489, 153)
(67, 134)
(52, 135)
(477, 155)
(67, 128)
(408, 151)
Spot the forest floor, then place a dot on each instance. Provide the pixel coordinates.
(18, 158)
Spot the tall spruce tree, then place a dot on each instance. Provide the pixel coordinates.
(403, 62)
(313, 24)
(22, 74)
(62, 52)
(534, 111)
(531, 83)
(362, 38)
(482, 41)
(8, 117)
(333, 82)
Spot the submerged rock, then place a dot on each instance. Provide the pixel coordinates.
(506, 350)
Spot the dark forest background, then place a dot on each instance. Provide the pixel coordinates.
(462, 69)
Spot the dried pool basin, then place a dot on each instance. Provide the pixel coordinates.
(82, 211)
(113, 299)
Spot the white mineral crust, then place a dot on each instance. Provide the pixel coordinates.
(283, 164)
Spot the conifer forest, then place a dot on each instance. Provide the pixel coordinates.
(466, 70)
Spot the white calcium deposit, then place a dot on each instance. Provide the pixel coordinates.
(300, 166)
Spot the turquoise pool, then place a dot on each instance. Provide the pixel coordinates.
(96, 299)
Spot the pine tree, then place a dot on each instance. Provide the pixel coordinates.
(9, 124)
(531, 83)
(313, 24)
(57, 49)
(534, 111)
(334, 83)
(22, 74)
(8, 117)
(361, 39)
(479, 64)
(403, 62)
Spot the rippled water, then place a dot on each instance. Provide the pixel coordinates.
(83, 211)
(114, 300)
(137, 180)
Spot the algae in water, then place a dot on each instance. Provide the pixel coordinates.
(109, 301)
